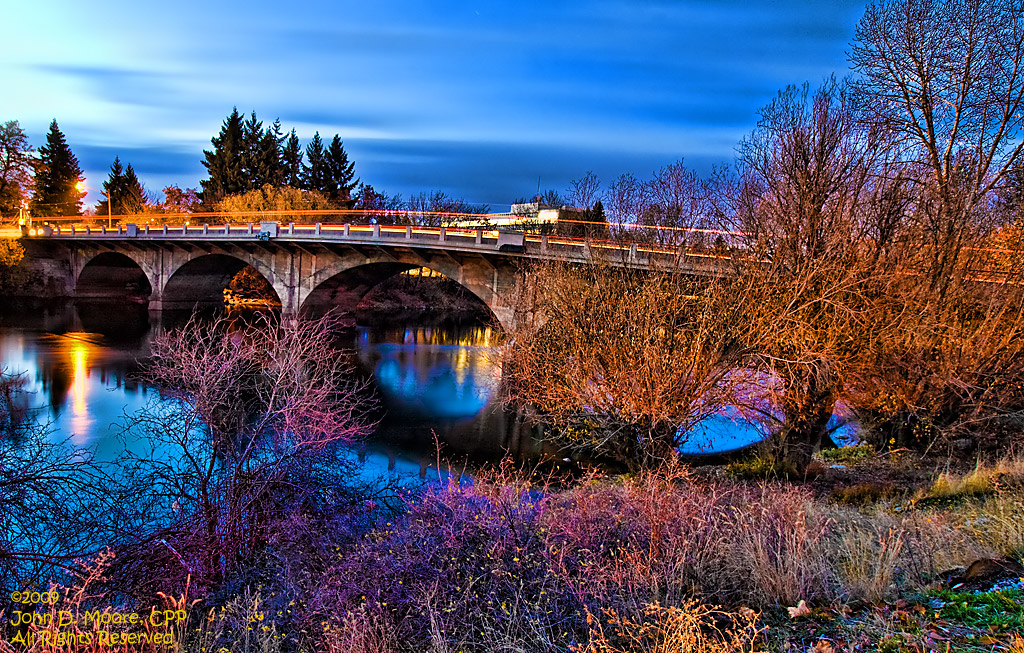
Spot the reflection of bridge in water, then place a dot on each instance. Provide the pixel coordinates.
(315, 267)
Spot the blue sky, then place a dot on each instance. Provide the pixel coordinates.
(476, 98)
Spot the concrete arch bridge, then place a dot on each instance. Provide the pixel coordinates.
(315, 266)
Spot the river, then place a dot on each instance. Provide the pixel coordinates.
(80, 363)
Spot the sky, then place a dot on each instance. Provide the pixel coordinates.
(482, 99)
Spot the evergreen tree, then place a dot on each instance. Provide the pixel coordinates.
(291, 161)
(224, 163)
(269, 168)
(113, 188)
(123, 190)
(252, 153)
(340, 175)
(314, 172)
(57, 178)
(596, 214)
(134, 199)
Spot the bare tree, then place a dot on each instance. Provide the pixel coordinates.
(249, 414)
(583, 192)
(679, 199)
(438, 209)
(801, 175)
(628, 199)
(948, 76)
(53, 497)
(797, 198)
(623, 364)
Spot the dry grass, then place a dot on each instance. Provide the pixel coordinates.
(360, 631)
(996, 522)
(985, 478)
(869, 558)
(692, 627)
(779, 544)
(660, 561)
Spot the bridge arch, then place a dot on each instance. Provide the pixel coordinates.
(113, 274)
(344, 286)
(202, 279)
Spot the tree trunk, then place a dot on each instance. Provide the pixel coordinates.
(807, 409)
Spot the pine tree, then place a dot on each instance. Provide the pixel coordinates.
(340, 175)
(134, 199)
(314, 173)
(57, 177)
(269, 169)
(291, 161)
(224, 163)
(123, 190)
(113, 188)
(252, 153)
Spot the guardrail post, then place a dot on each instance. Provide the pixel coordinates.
(317, 231)
(227, 229)
(444, 234)
(632, 253)
(347, 225)
(184, 230)
(249, 232)
(479, 235)
(72, 230)
(291, 228)
(103, 229)
(206, 229)
(544, 243)
(88, 230)
(164, 230)
(408, 232)
(376, 231)
(146, 230)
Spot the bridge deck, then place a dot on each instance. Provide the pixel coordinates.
(456, 239)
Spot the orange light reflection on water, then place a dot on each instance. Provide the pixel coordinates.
(81, 423)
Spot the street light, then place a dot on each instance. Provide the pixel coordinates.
(80, 185)
(110, 217)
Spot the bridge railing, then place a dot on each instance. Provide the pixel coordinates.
(607, 246)
(458, 236)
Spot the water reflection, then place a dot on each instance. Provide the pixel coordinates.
(80, 364)
(439, 387)
(76, 379)
(447, 376)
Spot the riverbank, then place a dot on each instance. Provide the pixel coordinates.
(671, 560)
(411, 295)
(27, 270)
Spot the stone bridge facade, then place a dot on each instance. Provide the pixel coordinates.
(314, 267)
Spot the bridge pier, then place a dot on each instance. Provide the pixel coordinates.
(184, 266)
